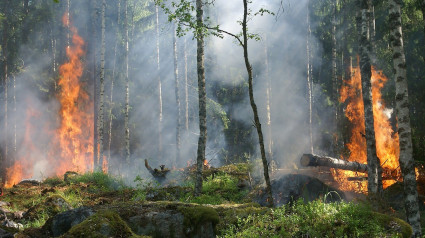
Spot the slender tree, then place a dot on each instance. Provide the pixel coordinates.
(309, 81)
(202, 94)
(186, 91)
(374, 168)
(403, 118)
(176, 78)
(95, 82)
(159, 86)
(127, 88)
(100, 125)
(268, 102)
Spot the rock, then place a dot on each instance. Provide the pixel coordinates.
(18, 215)
(4, 204)
(102, 224)
(12, 224)
(5, 234)
(52, 206)
(169, 219)
(292, 187)
(62, 222)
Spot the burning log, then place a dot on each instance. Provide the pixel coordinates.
(316, 160)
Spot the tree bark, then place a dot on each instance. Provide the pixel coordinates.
(254, 106)
(95, 83)
(5, 75)
(403, 118)
(335, 89)
(127, 89)
(268, 101)
(100, 126)
(316, 160)
(111, 97)
(374, 172)
(186, 91)
(202, 100)
(176, 77)
(159, 87)
(309, 81)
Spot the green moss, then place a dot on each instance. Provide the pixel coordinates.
(394, 224)
(54, 181)
(102, 224)
(194, 216)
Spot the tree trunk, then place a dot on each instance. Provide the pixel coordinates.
(95, 84)
(309, 81)
(159, 87)
(100, 125)
(111, 97)
(254, 106)
(268, 101)
(403, 118)
(335, 89)
(374, 172)
(372, 32)
(186, 91)
(127, 89)
(317, 160)
(176, 77)
(202, 101)
(5, 57)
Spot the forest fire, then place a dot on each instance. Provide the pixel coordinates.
(71, 144)
(386, 138)
(75, 133)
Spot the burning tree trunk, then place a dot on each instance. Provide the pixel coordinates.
(176, 77)
(375, 177)
(317, 160)
(403, 119)
(4, 163)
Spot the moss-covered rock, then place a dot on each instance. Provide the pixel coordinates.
(51, 206)
(102, 224)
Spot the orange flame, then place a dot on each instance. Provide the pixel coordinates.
(75, 132)
(387, 147)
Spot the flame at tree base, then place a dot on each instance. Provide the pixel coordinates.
(387, 142)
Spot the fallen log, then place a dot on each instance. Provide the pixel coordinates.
(318, 160)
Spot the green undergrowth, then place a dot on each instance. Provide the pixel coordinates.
(319, 219)
(101, 182)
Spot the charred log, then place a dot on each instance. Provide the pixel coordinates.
(316, 160)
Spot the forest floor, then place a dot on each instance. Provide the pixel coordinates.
(101, 205)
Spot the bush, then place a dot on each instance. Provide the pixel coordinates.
(101, 181)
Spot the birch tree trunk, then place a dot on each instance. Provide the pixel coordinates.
(95, 84)
(186, 91)
(176, 77)
(159, 87)
(127, 89)
(309, 81)
(374, 172)
(100, 125)
(202, 100)
(268, 101)
(254, 106)
(111, 96)
(403, 118)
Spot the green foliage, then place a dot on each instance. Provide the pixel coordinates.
(218, 189)
(100, 181)
(53, 181)
(318, 219)
(143, 187)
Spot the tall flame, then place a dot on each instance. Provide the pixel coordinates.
(76, 111)
(387, 147)
(71, 144)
